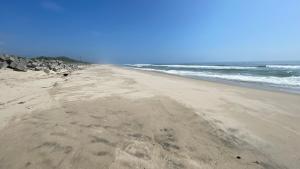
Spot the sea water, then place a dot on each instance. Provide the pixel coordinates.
(280, 75)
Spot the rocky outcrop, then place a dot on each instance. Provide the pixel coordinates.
(36, 64)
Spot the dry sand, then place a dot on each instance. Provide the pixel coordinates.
(111, 117)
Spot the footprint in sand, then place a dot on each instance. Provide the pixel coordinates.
(54, 146)
(96, 139)
(141, 150)
(166, 138)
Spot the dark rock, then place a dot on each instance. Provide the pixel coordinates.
(66, 74)
(7, 58)
(10, 59)
(38, 68)
(47, 71)
(19, 65)
(56, 68)
(32, 64)
(51, 67)
(3, 65)
(2, 58)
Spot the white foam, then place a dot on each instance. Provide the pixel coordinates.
(138, 65)
(209, 67)
(283, 81)
(195, 66)
(284, 66)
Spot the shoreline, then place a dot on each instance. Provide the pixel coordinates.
(112, 117)
(247, 85)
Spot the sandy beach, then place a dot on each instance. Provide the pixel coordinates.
(110, 117)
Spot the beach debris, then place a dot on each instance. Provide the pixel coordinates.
(21, 102)
(238, 157)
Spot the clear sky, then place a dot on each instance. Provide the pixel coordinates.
(152, 31)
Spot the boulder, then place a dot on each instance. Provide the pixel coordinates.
(10, 59)
(59, 62)
(56, 68)
(38, 68)
(3, 65)
(47, 71)
(31, 64)
(2, 58)
(19, 65)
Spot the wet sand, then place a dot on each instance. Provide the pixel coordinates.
(111, 117)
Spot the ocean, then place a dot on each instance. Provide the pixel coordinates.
(275, 75)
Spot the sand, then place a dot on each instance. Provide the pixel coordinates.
(110, 117)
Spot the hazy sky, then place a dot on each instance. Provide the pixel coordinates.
(153, 31)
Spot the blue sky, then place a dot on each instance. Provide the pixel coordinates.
(153, 31)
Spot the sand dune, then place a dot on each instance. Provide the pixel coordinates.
(111, 117)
